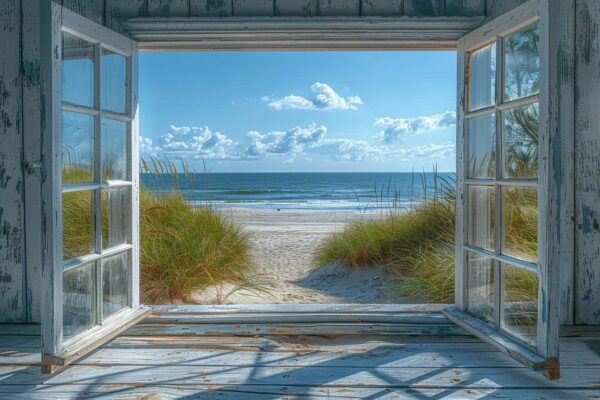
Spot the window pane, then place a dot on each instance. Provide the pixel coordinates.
(519, 308)
(522, 63)
(114, 150)
(77, 147)
(520, 223)
(481, 213)
(77, 224)
(482, 79)
(116, 216)
(77, 74)
(481, 286)
(112, 81)
(521, 142)
(78, 300)
(482, 147)
(115, 283)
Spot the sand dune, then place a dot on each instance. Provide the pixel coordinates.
(282, 245)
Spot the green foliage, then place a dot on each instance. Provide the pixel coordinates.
(182, 247)
(185, 248)
(417, 246)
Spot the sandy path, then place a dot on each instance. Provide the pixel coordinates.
(282, 245)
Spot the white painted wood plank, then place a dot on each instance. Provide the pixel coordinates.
(211, 8)
(496, 8)
(327, 330)
(369, 33)
(465, 7)
(12, 221)
(245, 392)
(32, 155)
(168, 8)
(555, 179)
(382, 8)
(339, 8)
(296, 308)
(252, 8)
(296, 8)
(277, 318)
(424, 8)
(587, 165)
(90, 9)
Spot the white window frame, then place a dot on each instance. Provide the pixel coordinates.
(543, 356)
(56, 351)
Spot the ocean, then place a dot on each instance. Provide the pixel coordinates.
(302, 191)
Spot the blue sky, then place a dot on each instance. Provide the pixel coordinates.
(300, 111)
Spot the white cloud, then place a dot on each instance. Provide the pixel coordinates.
(188, 142)
(292, 141)
(325, 98)
(298, 143)
(395, 128)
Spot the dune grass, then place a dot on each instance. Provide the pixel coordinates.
(417, 246)
(182, 247)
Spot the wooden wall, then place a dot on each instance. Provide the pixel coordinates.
(20, 110)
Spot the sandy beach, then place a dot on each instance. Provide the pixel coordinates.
(282, 246)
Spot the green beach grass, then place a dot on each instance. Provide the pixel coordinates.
(182, 247)
(417, 246)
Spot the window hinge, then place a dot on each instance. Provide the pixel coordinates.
(30, 166)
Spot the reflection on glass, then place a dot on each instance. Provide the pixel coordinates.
(116, 220)
(115, 283)
(77, 76)
(481, 286)
(482, 79)
(519, 302)
(114, 149)
(481, 216)
(482, 147)
(520, 223)
(112, 81)
(77, 147)
(521, 142)
(77, 224)
(522, 63)
(78, 300)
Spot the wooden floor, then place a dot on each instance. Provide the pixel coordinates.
(269, 353)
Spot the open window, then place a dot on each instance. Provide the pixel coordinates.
(91, 209)
(502, 290)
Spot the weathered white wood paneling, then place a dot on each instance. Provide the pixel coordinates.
(252, 8)
(168, 8)
(556, 146)
(211, 8)
(424, 8)
(32, 154)
(90, 9)
(296, 8)
(587, 163)
(12, 221)
(495, 8)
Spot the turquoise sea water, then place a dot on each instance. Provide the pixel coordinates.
(309, 191)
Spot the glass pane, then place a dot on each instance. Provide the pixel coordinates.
(481, 286)
(112, 81)
(77, 224)
(522, 63)
(482, 147)
(482, 78)
(77, 147)
(520, 223)
(114, 150)
(116, 216)
(77, 73)
(519, 308)
(115, 283)
(521, 142)
(481, 215)
(78, 300)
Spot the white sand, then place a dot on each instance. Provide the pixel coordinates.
(282, 246)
